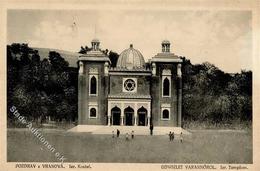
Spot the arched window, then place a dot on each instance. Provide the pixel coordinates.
(93, 85)
(116, 115)
(142, 116)
(93, 113)
(166, 87)
(165, 114)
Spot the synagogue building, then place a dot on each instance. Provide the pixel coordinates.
(134, 93)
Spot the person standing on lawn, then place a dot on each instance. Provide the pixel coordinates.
(127, 136)
(117, 133)
(172, 136)
(181, 137)
(151, 129)
(132, 134)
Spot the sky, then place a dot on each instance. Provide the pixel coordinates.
(223, 38)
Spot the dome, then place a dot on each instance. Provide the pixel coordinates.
(130, 58)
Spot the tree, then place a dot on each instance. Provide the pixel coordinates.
(211, 95)
(57, 62)
(36, 87)
(113, 56)
(84, 50)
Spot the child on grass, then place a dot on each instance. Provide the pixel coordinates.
(127, 136)
(172, 136)
(132, 134)
(181, 137)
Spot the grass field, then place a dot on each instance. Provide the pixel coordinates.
(200, 147)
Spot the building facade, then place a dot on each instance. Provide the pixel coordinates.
(133, 93)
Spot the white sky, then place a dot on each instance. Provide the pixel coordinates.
(223, 38)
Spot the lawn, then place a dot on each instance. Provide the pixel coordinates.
(200, 147)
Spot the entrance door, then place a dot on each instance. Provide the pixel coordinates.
(116, 112)
(142, 118)
(142, 114)
(129, 113)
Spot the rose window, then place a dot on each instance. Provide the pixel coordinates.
(129, 85)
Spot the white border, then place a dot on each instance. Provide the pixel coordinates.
(178, 5)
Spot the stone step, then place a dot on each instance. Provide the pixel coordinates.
(138, 130)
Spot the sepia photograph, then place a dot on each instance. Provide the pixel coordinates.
(129, 85)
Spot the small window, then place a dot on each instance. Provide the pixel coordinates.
(93, 85)
(165, 114)
(93, 113)
(166, 87)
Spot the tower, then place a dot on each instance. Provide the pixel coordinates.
(166, 46)
(95, 44)
(166, 88)
(93, 86)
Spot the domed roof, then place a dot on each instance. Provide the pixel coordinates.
(131, 58)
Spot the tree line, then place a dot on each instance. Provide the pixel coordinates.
(48, 87)
(40, 88)
(213, 96)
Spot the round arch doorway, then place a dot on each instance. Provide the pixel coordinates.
(142, 116)
(116, 113)
(129, 113)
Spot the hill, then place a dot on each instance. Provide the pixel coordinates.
(71, 57)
